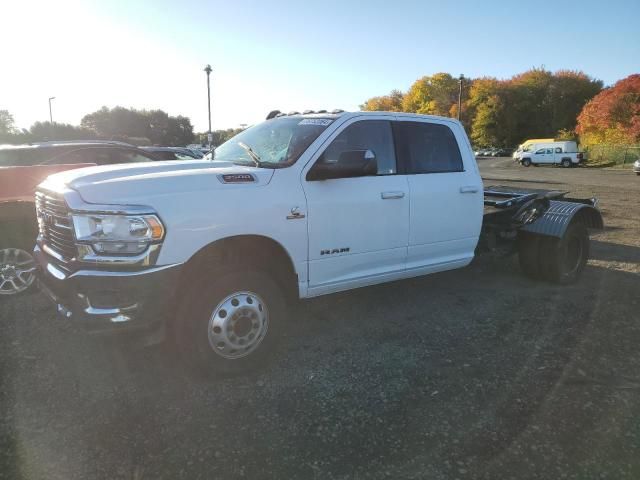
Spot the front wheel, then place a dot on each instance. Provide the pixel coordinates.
(232, 323)
(526, 162)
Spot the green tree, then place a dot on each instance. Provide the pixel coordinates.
(42, 131)
(146, 126)
(7, 125)
(570, 91)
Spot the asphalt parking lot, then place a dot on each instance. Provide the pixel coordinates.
(477, 373)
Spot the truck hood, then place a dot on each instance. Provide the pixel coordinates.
(117, 183)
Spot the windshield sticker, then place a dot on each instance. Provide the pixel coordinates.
(323, 122)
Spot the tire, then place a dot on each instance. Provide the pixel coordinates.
(562, 260)
(232, 322)
(566, 163)
(529, 254)
(526, 162)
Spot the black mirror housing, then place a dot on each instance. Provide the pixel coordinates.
(350, 164)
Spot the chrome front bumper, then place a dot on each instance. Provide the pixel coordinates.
(105, 301)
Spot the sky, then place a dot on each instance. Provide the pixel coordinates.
(287, 55)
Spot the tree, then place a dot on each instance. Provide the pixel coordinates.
(535, 103)
(7, 125)
(569, 92)
(147, 126)
(612, 116)
(41, 131)
(432, 95)
(385, 103)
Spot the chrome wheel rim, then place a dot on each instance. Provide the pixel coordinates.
(17, 271)
(238, 325)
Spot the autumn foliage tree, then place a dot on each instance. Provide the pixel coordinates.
(385, 103)
(612, 116)
(535, 103)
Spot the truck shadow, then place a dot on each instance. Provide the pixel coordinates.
(496, 361)
(614, 252)
(434, 374)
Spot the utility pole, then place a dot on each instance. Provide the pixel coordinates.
(50, 113)
(460, 80)
(208, 70)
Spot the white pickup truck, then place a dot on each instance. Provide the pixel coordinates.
(565, 154)
(209, 253)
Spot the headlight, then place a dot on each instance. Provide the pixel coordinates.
(117, 234)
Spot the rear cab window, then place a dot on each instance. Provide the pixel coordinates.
(424, 147)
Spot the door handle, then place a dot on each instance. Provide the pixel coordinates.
(391, 195)
(469, 189)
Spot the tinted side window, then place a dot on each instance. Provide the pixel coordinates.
(185, 155)
(540, 151)
(374, 135)
(24, 157)
(82, 155)
(427, 148)
(130, 156)
(165, 155)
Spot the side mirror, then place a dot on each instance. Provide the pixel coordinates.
(350, 164)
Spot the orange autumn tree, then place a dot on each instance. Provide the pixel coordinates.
(612, 116)
(385, 103)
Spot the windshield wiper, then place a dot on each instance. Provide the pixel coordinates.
(254, 156)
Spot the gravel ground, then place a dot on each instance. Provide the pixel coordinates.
(477, 373)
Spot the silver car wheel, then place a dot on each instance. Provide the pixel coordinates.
(17, 271)
(238, 325)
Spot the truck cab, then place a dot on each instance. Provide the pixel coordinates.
(312, 204)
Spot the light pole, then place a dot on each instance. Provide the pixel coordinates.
(208, 69)
(51, 114)
(460, 80)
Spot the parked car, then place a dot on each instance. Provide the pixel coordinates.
(501, 152)
(200, 149)
(173, 153)
(636, 167)
(210, 252)
(22, 168)
(554, 153)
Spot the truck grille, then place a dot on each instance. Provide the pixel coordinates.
(55, 225)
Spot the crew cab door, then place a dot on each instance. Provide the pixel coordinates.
(446, 194)
(358, 226)
(543, 155)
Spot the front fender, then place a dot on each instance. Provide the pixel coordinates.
(559, 216)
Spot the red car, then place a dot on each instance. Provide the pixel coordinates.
(22, 168)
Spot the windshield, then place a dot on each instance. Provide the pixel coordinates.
(277, 142)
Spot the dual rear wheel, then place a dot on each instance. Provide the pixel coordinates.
(558, 260)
